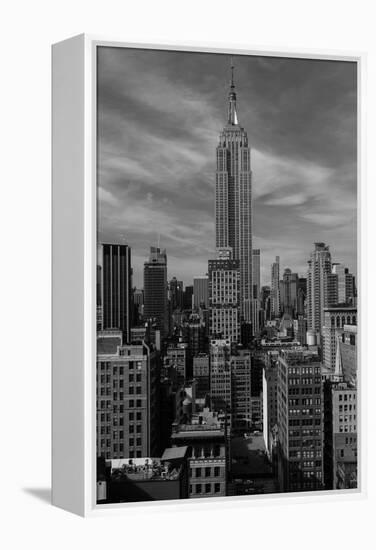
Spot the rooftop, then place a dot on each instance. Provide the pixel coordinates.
(148, 469)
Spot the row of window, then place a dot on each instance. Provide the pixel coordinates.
(347, 396)
(345, 408)
(205, 472)
(348, 418)
(304, 370)
(305, 422)
(109, 391)
(345, 428)
(107, 365)
(205, 488)
(305, 401)
(304, 381)
(108, 417)
(109, 404)
(106, 378)
(304, 412)
(131, 429)
(131, 443)
(304, 391)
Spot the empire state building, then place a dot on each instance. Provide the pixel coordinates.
(233, 199)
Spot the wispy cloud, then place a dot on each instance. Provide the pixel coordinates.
(159, 117)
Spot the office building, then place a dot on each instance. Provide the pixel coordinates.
(220, 374)
(127, 398)
(346, 284)
(256, 273)
(340, 443)
(224, 297)
(289, 292)
(137, 307)
(176, 294)
(348, 350)
(196, 334)
(201, 374)
(335, 318)
(188, 297)
(206, 437)
(116, 288)
(300, 424)
(301, 297)
(178, 356)
(270, 401)
(155, 290)
(340, 415)
(275, 298)
(300, 330)
(201, 292)
(233, 199)
(241, 411)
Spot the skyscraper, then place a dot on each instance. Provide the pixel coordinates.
(288, 288)
(116, 287)
(346, 284)
(256, 273)
(176, 294)
(275, 298)
(233, 202)
(319, 267)
(155, 289)
(200, 292)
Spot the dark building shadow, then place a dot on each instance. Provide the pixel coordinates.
(40, 493)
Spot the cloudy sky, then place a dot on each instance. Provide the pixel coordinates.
(159, 116)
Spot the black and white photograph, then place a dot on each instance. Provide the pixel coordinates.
(227, 275)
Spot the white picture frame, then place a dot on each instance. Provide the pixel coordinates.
(74, 275)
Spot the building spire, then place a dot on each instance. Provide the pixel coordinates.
(232, 116)
(338, 371)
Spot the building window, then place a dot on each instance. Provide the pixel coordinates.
(217, 487)
(217, 471)
(207, 487)
(198, 472)
(198, 488)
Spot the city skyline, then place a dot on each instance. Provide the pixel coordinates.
(156, 163)
(271, 367)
